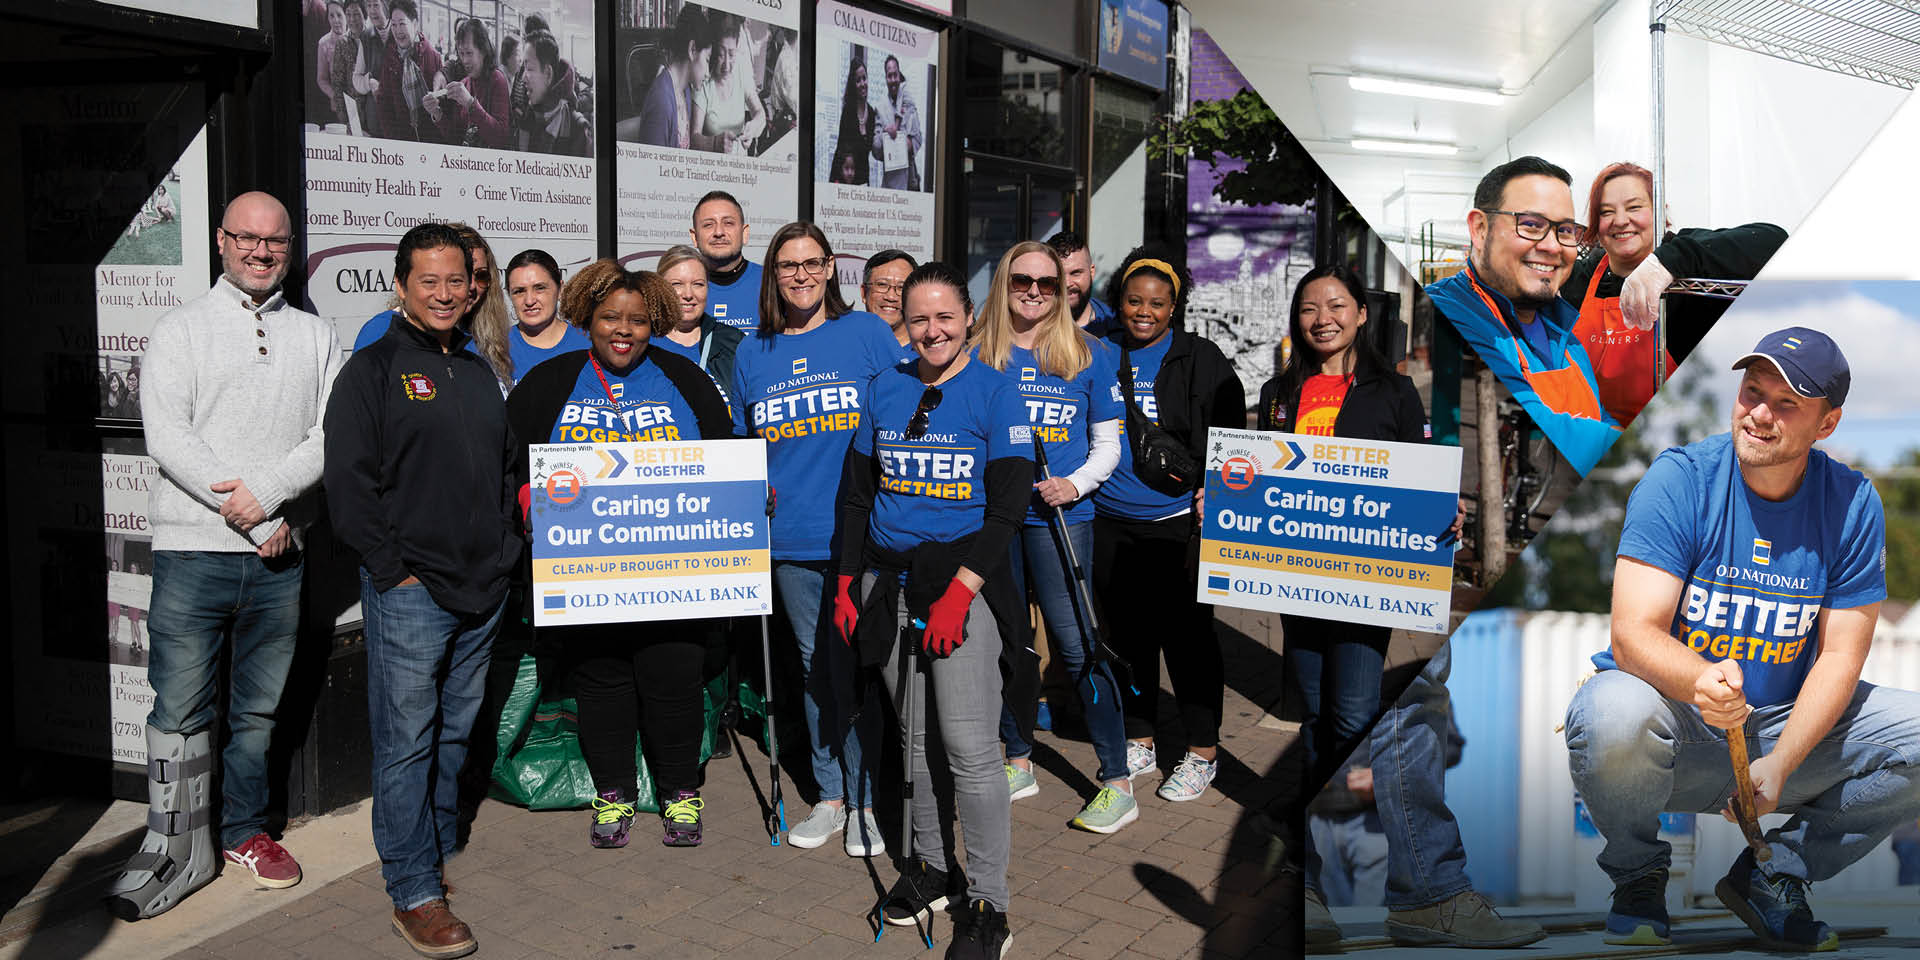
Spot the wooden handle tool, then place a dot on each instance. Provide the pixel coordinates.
(1743, 802)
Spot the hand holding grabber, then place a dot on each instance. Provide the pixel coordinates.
(1719, 695)
(1742, 800)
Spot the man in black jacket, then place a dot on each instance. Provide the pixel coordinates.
(419, 461)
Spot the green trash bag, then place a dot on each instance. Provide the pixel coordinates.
(539, 764)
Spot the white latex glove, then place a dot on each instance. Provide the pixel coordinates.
(1640, 293)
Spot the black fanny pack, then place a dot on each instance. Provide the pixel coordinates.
(1160, 461)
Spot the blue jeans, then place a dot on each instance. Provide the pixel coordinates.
(1426, 862)
(1354, 872)
(1337, 668)
(426, 674)
(1040, 563)
(1635, 754)
(200, 601)
(828, 668)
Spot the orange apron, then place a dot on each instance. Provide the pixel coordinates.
(1622, 356)
(1564, 390)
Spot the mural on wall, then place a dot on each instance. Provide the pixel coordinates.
(1245, 259)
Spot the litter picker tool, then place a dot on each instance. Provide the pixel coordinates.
(1058, 521)
(910, 640)
(776, 806)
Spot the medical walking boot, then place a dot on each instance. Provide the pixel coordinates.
(178, 855)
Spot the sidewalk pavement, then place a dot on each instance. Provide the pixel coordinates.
(1187, 880)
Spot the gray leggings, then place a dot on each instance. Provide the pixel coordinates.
(966, 705)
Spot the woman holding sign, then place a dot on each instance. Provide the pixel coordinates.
(800, 382)
(1146, 519)
(621, 390)
(1072, 396)
(1336, 384)
(937, 484)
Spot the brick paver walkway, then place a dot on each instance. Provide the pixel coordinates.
(1185, 880)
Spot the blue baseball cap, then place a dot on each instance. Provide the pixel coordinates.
(1808, 360)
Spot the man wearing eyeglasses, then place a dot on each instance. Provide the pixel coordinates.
(1506, 305)
(880, 292)
(236, 381)
(733, 282)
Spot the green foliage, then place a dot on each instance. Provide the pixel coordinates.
(1899, 489)
(1242, 127)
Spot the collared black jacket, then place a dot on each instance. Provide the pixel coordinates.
(1384, 406)
(1735, 253)
(1195, 389)
(419, 465)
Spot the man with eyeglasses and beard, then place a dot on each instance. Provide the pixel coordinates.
(1506, 304)
(236, 383)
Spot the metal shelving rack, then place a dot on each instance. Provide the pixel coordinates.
(1877, 40)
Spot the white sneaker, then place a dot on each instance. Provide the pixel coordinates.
(825, 820)
(1189, 779)
(1140, 758)
(863, 835)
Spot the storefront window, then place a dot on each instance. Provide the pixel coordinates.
(1016, 104)
(1122, 119)
(1048, 24)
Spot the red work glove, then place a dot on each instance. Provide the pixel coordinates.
(526, 502)
(947, 620)
(846, 614)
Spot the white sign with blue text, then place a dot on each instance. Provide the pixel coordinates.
(626, 532)
(1352, 530)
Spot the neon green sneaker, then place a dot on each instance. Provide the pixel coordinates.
(612, 815)
(681, 818)
(1108, 811)
(1020, 783)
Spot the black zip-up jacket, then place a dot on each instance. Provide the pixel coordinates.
(1196, 389)
(1383, 406)
(1735, 253)
(419, 468)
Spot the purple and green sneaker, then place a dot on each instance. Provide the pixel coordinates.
(681, 818)
(612, 815)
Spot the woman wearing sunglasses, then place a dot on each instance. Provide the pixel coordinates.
(937, 484)
(1146, 517)
(1068, 383)
(800, 382)
(621, 389)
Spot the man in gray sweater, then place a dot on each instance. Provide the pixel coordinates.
(236, 383)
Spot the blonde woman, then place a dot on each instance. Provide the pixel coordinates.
(696, 335)
(1069, 384)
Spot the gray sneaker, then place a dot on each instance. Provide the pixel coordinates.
(1020, 783)
(821, 824)
(863, 835)
(1465, 920)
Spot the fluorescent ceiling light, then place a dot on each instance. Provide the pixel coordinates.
(1426, 90)
(1404, 146)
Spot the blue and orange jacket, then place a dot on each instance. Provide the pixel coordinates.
(1560, 392)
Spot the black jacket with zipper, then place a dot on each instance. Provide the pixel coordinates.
(1383, 406)
(1196, 388)
(419, 467)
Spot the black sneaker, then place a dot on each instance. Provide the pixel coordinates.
(916, 895)
(980, 933)
(1639, 913)
(1774, 908)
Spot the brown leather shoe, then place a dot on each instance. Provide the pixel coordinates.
(433, 931)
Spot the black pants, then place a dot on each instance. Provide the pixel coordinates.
(1144, 576)
(647, 674)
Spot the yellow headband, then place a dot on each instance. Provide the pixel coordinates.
(1160, 265)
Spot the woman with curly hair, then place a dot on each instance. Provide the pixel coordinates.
(621, 389)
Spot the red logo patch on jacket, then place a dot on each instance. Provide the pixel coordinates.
(418, 386)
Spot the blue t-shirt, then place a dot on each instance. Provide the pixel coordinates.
(737, 304)
(1060, 412)
(648, 408)
(1102, 322)
(1756, 573)
(1125, 495)
(804, 393)
(665, 342)
(526, 356)
(934, 487)
(904, 352)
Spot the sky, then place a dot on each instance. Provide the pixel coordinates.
(1877, 326)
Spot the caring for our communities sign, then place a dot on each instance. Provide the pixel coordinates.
(670, 530)
(1329, 527)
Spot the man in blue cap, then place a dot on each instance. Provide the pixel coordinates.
(1748, 582)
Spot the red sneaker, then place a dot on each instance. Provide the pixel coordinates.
(270, 862)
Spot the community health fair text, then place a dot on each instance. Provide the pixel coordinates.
(649, 531)
(1329, 527)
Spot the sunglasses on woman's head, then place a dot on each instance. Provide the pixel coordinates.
(1020, 283)
(917, 427)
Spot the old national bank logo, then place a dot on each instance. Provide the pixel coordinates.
(1217, 582)
(554, 601)
(1762, 551)
(563, 487)
(1027, 374)
(799, 365)
(418, 386)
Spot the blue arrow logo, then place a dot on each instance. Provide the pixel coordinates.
(1299, 456)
